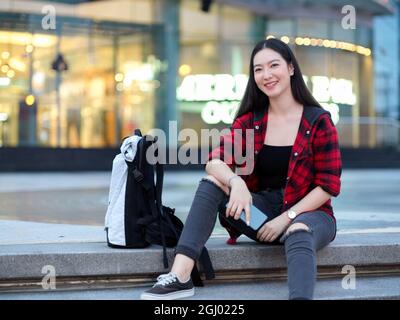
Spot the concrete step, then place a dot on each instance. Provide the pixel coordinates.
(325, 289)
(92, 265)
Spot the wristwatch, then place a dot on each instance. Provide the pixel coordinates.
(291, 214)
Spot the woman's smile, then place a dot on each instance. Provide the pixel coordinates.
(270, 85)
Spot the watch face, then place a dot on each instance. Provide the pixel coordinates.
(292, 214)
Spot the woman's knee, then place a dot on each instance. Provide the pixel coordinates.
(298, 235)
(297, 226)
(218, 183)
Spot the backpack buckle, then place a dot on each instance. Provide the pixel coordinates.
(138, 175)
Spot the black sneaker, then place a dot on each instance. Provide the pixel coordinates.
(168, 287)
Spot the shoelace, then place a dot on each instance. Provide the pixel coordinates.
(165, 279)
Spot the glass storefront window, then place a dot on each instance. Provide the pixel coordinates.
(107, 91)
(16, 117)
(44, 89)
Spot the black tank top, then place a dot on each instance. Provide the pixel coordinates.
(272, 166)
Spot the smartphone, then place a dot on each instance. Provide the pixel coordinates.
(257, 217)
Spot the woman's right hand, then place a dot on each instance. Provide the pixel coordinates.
(240, 199)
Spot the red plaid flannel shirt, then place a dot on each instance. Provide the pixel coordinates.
(315, 159)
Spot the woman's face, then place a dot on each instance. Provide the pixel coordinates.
(272, 73)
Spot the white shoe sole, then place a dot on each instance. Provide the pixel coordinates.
(169, 296)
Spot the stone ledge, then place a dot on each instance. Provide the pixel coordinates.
(367, 251)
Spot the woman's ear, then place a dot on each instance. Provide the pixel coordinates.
(291, 69)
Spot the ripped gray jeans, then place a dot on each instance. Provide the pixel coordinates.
(300, 245)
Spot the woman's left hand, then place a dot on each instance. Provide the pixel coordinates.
(272, 229)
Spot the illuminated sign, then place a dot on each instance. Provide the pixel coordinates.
(215, 112)
(222, 94)
(3, 117)
(208, 87)
(334, 90)
(4, 81)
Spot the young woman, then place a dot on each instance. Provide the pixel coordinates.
(297, 168)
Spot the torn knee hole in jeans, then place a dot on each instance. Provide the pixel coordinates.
(297, 230)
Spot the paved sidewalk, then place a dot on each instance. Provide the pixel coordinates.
(70, 207)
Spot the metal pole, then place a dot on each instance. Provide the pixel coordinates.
(171, 42)
(33, 108)
(58, 103)
(58, 98)
(117, 108)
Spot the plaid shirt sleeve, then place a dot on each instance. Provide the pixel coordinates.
(327, 159)
(224, 151)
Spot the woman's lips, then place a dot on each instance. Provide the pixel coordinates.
(270, 85)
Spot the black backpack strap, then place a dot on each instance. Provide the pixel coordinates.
(165, 258)
(158, 191)
(195, 275)
(149, 188)
(142, 153)
(159, 185)
(207, 268)
(172, 226)
(149, 193)
(138, 171)
(205, 262)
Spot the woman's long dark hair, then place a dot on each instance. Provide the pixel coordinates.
(255, 100)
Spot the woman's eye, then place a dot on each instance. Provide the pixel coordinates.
(256, 70)
(274, 65)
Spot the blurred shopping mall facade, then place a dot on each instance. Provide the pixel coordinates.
(83, 74)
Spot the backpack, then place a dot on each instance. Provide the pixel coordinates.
(136, 217)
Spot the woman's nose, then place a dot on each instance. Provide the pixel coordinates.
(267, 74)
